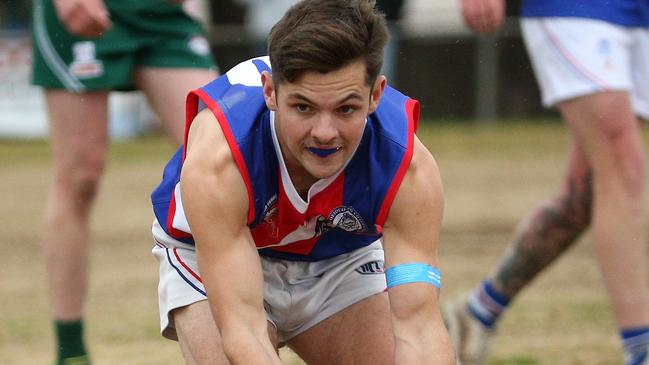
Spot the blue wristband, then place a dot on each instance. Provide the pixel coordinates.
(413, 273)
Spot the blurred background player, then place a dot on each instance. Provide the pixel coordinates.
(82, 50)
(590, 61)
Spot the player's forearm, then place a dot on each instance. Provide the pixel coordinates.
(423, 347)
(239, 314)
(238, 309)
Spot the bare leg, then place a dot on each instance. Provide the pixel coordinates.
(360, 334)
(607, 132)
(198, 335)
(603, 187)
(607, 138)
(166, 90)
(78, 138)
(549, 230)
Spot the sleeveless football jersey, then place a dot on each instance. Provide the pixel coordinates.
(342, 213)
(630, 13)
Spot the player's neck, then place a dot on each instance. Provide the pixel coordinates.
(302, 180)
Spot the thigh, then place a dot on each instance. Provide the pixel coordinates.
(185, 313)
(166, 90)
(360, 334)
(198, 336)
(176, 58)
(603, 125)
(78, 131)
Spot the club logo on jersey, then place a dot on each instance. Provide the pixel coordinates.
(374, 267)
(269, 222)
(199, 45)
(85, 63)
(605, 49)
(272, 232)
(346, 218)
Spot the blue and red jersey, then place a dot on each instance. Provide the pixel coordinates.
(343, 213)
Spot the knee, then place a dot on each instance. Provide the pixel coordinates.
(81, 180)
(618, 160)
(628, 153)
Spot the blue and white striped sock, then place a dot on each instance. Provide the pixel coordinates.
(636, 345)
(486, 304)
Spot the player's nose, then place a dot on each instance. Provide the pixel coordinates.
(324, 130)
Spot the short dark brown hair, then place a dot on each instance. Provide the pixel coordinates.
(326, 35)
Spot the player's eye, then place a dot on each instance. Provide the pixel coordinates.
(347, 109)
(302, 108)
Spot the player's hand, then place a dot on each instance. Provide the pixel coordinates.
(85, 18)
(483, 16)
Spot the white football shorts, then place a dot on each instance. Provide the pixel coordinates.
(574, 57)
(297, 294)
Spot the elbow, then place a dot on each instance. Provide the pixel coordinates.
(409, 304)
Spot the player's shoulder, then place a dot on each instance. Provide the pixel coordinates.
(422, 155)
(398, 116)
(205, 139)
(423, 170)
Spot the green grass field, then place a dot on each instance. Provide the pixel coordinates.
(493, 175)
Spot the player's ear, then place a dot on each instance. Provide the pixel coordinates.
(377, 92)
(269, 90)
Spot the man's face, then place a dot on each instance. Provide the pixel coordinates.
(320, 118)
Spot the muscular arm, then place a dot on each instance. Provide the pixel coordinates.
(216, 204)
(85, 18)
(411, 234)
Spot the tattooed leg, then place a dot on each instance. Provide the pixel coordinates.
(549, 230)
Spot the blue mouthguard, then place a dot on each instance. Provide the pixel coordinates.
(323, 152)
